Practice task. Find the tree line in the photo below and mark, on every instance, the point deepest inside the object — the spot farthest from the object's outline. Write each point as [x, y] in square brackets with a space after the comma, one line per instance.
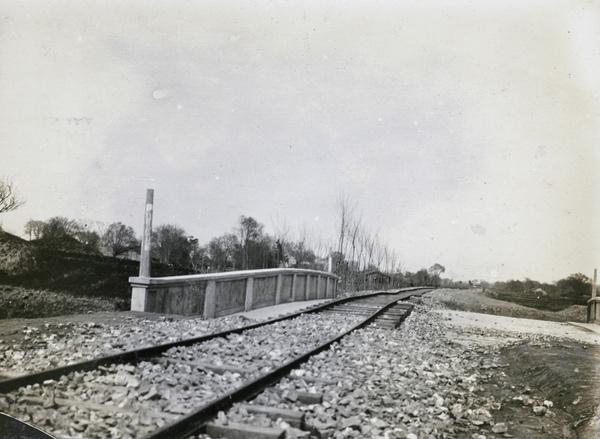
[248, 246]
[360, 259]
[363, 260]
[576, 287]
[356, 254]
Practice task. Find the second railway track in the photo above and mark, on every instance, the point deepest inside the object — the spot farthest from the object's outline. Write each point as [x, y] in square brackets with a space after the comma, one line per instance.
[175, 390]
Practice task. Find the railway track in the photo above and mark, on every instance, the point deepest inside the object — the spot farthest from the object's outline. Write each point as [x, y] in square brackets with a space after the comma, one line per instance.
[178, 389]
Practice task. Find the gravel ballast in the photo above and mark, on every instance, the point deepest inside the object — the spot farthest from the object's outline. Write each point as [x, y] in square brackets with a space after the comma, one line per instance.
[442, 374]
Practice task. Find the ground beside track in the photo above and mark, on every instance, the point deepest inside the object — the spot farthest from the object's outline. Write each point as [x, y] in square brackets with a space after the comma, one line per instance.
[522, 362]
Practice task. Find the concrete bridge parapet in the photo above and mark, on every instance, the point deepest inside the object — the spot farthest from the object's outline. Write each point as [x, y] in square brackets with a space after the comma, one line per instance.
[593, 311]
[219, 294]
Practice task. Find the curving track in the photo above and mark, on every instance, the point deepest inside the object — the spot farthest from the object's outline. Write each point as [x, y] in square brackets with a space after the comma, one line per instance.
[176, 389]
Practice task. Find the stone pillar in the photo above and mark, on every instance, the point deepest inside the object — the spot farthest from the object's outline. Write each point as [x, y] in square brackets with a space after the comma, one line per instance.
[249, 294]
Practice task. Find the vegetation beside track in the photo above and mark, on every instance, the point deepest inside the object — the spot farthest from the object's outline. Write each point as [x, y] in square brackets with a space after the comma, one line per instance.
[45, 278]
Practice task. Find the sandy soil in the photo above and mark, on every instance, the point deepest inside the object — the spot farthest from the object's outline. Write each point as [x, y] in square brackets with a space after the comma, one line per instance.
[541, 362]
[511, 327]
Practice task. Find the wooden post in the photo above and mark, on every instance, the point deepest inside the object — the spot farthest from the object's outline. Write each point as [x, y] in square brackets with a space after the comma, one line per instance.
[145, 257]
[594, 284]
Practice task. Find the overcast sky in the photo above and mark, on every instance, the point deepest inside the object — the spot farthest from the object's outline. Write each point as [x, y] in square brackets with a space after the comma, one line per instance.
[467, 131]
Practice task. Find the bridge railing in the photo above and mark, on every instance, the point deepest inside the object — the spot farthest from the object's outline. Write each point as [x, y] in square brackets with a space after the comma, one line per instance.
[220, 294]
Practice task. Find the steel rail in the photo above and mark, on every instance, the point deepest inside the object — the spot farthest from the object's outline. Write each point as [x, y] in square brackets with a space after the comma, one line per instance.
[192, 423]
[137, 355]
[13, 428]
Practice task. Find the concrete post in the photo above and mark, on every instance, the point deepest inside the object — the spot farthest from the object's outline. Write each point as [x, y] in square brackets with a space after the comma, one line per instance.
[593, 311]
[278, 289]
[319, 280]
[334, 288]
[139, 297]
[210, 300]
[249, 294]
[145, 258]
[294, 283]
[307, 287]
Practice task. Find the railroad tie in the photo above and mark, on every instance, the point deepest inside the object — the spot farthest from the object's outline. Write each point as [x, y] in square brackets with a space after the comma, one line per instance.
[234, 430]
[295, 418]
[392, 317]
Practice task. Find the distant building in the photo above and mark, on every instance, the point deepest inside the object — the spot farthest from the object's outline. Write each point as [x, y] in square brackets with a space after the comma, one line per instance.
[376, 279]
[132, 255]
[539, 292]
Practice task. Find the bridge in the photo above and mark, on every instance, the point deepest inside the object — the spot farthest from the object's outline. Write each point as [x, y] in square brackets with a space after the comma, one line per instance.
[220, 294]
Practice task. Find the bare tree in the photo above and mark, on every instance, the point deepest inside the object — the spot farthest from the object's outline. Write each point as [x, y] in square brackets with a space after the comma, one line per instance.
[434, 272]
[344, 218]
[345, 210]
[119, 239]
[8, 198]
[250, 235]
[282, 230]
[171, 245]
[34, 229]
[59, 227]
